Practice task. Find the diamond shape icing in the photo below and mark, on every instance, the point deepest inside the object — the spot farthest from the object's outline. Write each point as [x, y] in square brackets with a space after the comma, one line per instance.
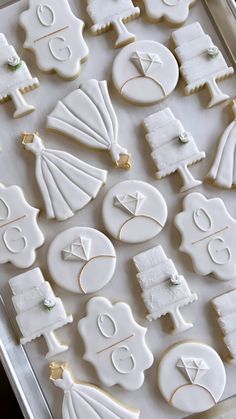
[144, 61]
[192, 368]
[130, 203]
[78, 249]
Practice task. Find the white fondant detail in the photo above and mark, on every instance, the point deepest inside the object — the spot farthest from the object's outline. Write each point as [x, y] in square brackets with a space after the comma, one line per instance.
[145, 72]
[119, 356]
[174, 12]
[163, 290]
[42, 11]
[222, 170]
[211, 250]
[200, 216]
[67, 184]
[81, 260]
[15, 82]
[54, 34]
[134, 211]
[33, 320]
[11, 240]
[19, 231]
[87, 115]
[83, 399]
[170, 155]
[104, 318]
[59, 50]
[122, 358]
[197, 376]
[225, 307]
[198, 68]
[106, 15]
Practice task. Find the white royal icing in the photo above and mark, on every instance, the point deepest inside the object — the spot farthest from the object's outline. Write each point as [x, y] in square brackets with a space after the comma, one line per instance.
[107, 14]
[66, 183]
[173, 149]
[20, 234]
[197, 376]
[54, 34]
[174, 12]
[202, 64]
[82, 260]
[163, 289]
[115, 343]
[86, 401]
[208, 236]
[225, 307]
[222, 170]
[39, 311]
[87, 115]
[145, 72]
[134, 211]
[15, 79]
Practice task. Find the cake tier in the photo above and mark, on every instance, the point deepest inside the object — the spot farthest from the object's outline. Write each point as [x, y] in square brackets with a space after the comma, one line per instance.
[33, 297]
[150, 258]
[174, 152]
[157, 274]
[40, 317]
[26, 281]
[106, 11]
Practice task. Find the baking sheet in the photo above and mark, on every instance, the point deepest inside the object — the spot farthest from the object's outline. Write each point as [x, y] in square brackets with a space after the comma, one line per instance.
[17, 167]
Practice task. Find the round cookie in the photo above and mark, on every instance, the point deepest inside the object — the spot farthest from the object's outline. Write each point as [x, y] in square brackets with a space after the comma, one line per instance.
[81, 260]
[134, 211]
[197, 377]
[145, 72]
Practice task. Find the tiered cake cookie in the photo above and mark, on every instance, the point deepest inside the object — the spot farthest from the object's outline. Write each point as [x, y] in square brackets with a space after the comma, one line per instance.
[39, 312]
[15, 79]
[173, 149]
[164, 290]
[202, 64]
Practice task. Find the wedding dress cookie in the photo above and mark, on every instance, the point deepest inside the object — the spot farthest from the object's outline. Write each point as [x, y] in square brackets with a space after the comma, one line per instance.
[202, 63]
[81, 260]
[222, 171]
[134, 211]
[174, 12]
[39, 311]
[173, 149]
[15, 79]
[197, 377]
[107, 14]
[208, 236]
[66, 183]
[54, 34]
[87, 115]
[163, 289]
[225, 307]
[145, 72]
[20, 234]
[115, 343]
[86, 401]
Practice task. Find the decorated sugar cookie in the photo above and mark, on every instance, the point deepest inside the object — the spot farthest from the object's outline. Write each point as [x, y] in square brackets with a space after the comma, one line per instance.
[87, 115]
[110, 14]
[222, 171]
[81, 260]
[145, 72]
[173, 148]
[86, 401]
[163, 289]
[134, 211]
[197, 377]
[20, 234]
[15, 79]
[54, 34]
[115, 343]
[39, 311]
[66, 183]
[202, 63]
[174, 12]
[208, 236]
[225, 307]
